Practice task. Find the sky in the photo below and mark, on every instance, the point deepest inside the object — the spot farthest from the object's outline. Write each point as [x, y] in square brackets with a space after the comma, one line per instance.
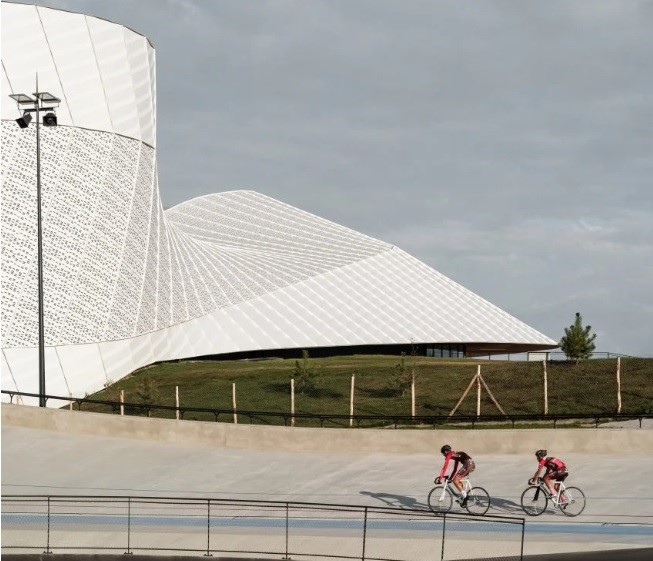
[508, 145]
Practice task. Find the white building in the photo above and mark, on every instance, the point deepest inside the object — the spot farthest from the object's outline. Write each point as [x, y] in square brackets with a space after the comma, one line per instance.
[127, 284]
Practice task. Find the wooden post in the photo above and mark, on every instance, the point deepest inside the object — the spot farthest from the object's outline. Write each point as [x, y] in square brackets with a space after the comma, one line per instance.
[412, 395]
[122, 402]
[618, 384]
[546, 389]
[474, 379]
[233, 401]
[478, 391]
[177, 402]
[292, 402]
[351, 401]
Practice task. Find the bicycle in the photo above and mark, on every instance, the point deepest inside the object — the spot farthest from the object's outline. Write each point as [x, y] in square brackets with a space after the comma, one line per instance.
[440, 499]
[569, 500]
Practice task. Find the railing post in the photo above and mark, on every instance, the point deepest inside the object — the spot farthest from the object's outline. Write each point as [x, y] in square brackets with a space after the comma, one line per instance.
[47, 545]
[129, 525]
[521, 550]
[444, 524]
[286, 556]
[364, 532]
[208, 529]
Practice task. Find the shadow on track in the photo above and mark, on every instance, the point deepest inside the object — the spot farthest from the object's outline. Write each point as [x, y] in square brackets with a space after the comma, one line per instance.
[396, 501]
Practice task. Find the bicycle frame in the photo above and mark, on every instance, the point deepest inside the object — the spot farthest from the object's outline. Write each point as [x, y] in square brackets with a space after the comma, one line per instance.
[448, 484]
[555, 499]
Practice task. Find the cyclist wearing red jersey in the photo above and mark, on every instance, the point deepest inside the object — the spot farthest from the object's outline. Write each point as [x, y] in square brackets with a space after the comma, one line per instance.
[456, 474]
[556, 471]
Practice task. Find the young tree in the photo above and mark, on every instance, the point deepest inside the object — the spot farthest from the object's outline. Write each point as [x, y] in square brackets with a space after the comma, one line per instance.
[578, 342]
[147, 392]
[401, 377]
[304, 374]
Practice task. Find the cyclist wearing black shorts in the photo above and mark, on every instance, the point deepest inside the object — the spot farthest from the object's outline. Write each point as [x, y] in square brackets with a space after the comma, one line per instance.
[457, 475]
[556, 471]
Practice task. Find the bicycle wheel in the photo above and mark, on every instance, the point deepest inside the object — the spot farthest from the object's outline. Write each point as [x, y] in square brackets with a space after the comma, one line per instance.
[440, 500]
[478, 501]
[533, 500]
[572, 501]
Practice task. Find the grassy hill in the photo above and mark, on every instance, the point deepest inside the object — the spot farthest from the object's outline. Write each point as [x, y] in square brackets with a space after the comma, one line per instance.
[264, 385]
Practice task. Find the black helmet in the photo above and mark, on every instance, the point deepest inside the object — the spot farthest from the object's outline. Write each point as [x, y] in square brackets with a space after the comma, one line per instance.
[540, 454]
[446, 448]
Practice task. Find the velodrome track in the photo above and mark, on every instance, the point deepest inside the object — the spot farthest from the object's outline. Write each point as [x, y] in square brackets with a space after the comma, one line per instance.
[88, 461]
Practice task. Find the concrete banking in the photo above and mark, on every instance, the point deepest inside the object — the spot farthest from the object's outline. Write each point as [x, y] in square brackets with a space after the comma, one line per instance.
[299, 439]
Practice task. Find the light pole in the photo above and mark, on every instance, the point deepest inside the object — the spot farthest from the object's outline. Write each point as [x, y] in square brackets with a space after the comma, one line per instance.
[29, 105]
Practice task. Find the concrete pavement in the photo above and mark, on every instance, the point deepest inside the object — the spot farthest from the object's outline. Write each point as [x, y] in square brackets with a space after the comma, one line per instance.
[619, 509]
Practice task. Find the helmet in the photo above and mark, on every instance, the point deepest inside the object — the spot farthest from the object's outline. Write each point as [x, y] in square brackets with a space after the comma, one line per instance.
[540, 454]
[446, 448]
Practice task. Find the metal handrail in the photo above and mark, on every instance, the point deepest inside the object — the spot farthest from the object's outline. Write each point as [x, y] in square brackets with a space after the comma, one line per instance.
[23, 506]
[395, 419]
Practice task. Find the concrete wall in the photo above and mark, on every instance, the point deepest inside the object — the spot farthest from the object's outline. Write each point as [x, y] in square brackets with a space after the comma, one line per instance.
[366, 441]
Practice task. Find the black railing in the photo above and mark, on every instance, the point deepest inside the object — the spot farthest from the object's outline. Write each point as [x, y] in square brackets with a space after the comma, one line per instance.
[128, 524]
[339, 420]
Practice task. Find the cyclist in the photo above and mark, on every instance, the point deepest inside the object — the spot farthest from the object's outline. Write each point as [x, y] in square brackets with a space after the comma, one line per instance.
[456, 474]
[556, 471]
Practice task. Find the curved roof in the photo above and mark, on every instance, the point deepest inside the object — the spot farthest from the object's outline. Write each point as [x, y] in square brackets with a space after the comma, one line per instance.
[127, 283]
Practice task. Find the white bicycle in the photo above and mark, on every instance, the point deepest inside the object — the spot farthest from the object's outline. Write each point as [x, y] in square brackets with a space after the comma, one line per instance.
[569, 500]
[441, 498]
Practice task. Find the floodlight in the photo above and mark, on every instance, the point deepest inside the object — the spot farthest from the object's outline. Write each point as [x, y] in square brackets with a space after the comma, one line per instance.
[49, 120]
[46, 97]
[24, 121]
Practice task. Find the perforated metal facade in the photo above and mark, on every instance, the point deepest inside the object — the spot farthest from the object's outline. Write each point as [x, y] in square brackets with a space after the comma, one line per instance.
[127, 283]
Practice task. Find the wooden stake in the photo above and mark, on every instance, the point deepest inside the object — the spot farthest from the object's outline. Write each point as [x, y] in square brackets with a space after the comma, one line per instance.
[292, 402]
[464, 395]
[122, 402]
[487, 389]
[478, 391]
[412, 396]
[233, 401]
[546, 389]
[177, 402]
[351, 401]
[618, 384]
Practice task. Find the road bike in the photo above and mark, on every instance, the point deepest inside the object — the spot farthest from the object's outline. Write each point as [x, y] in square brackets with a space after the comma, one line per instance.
[441, 498]
[569, 500]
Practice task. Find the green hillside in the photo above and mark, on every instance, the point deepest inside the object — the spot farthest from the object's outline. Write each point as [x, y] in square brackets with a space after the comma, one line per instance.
[264, 385]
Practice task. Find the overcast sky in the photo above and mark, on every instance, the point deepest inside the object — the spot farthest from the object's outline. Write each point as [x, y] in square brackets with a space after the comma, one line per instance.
[507, 144]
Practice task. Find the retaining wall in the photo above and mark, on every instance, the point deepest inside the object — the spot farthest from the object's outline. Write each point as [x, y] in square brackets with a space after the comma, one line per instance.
[299, 439]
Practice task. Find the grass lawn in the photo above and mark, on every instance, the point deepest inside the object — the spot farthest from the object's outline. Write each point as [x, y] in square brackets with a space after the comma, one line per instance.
[264, 385]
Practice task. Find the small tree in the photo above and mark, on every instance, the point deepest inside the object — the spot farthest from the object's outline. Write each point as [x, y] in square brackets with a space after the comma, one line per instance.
[304, 374]
[401, 378]
[578, 342]
[147, 392]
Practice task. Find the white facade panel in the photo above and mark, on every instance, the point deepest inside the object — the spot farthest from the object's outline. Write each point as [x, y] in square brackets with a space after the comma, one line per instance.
[127, 284]
[24, 37]
[111, 56]
[74, 57]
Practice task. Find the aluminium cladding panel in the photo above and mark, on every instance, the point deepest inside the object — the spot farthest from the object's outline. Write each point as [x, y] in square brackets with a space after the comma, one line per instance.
[20, 372]
[74, 57]
[103, 72]
[25, 51]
